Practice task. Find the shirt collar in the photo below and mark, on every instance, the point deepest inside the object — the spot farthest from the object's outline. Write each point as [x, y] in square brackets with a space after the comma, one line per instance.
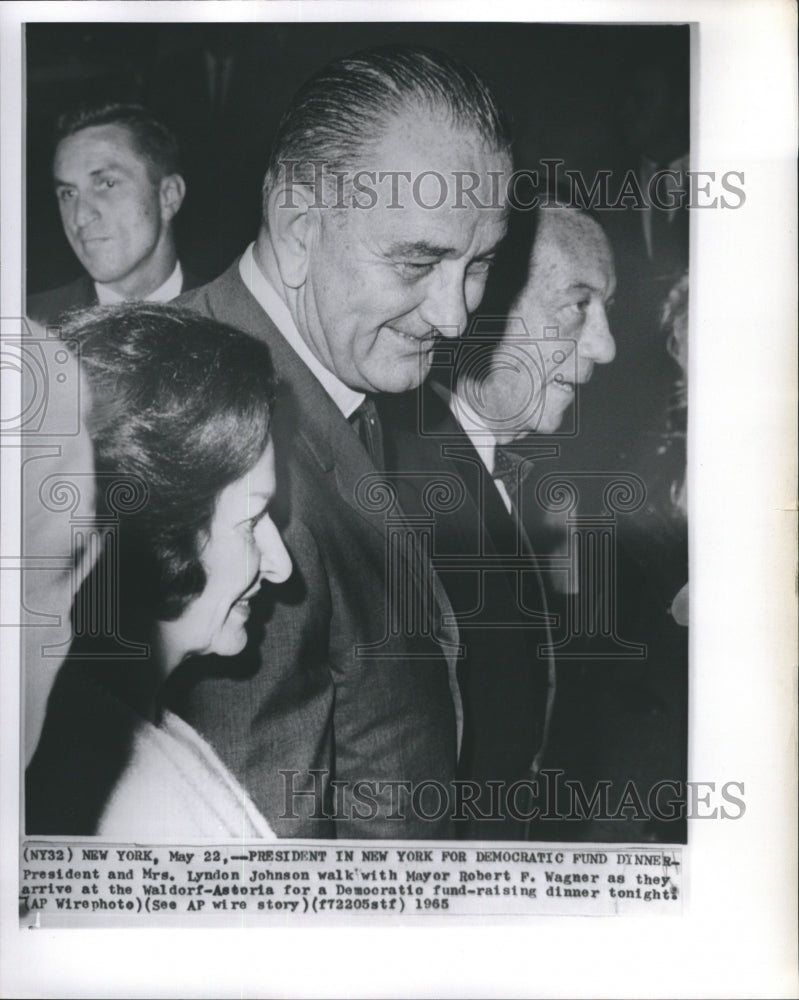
[170, 289]
[481, 436]
[346, 399]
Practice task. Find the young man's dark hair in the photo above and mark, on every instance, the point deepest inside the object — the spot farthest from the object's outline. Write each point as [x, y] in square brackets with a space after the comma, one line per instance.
[154, 140]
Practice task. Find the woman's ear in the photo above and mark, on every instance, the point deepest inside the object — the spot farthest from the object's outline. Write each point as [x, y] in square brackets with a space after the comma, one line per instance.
[292, 222]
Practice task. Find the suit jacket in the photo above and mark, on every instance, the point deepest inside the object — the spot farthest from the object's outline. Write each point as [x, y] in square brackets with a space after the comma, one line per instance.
[49, 307]
[308, 708]
[501, 611]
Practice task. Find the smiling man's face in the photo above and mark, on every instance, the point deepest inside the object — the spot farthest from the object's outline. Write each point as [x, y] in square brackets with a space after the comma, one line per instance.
[383, 283]
[557, 330]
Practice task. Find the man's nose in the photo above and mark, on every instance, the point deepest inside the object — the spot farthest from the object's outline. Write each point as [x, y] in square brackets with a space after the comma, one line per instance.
[444, 307]
[84, 211]
[596, 342]
[275, 560]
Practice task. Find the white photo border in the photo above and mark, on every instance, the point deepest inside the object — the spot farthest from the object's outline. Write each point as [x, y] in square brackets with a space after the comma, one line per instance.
[737, 935]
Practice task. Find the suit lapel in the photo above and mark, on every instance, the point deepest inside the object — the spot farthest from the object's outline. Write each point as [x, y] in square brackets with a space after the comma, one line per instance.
[503, 533]
[484, 501]
[305, 407]
[443, 449]
[307, 411]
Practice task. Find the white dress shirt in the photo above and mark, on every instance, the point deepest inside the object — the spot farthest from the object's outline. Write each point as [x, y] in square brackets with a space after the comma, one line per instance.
[346, 399]
[481, 436]
[170, 289]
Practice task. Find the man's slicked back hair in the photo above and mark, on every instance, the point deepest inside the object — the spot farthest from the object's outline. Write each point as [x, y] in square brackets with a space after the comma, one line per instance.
[343, 110]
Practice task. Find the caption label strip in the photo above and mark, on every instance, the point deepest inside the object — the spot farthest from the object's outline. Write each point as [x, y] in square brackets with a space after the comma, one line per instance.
[86, 884]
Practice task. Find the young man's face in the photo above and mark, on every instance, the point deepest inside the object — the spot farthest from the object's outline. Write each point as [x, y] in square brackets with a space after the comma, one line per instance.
[111, 208]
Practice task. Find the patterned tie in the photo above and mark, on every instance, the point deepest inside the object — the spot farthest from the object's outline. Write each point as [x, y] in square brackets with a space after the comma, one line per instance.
[366, 424]
[511, 469]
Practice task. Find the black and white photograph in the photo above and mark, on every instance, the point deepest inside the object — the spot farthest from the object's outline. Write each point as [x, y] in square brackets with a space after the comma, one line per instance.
[360, 452]
[412, 629]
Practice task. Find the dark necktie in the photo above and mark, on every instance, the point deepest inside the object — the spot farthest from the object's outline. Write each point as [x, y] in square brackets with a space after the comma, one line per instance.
[366, 424]
[511, 469]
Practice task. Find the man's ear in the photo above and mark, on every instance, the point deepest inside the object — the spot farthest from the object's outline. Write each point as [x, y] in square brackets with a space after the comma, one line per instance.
[291, 224]
[171, 193]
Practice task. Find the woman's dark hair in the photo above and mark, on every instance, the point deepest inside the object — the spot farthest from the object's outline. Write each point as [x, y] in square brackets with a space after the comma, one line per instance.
[181, 407]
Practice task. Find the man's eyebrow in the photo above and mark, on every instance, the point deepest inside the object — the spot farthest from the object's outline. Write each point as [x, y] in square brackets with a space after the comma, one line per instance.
[584, 286]
[581, 287]
[417, 248]
[112, 165]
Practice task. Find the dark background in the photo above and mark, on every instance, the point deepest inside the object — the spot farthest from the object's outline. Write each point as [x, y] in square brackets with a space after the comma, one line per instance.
[564, 87]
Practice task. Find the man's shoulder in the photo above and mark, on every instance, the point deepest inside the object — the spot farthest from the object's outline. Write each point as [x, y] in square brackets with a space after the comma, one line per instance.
[418, 419]
[211, 296]
[228, 300]
[51, 306]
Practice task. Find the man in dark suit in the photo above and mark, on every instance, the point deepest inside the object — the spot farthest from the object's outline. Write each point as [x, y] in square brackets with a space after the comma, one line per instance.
[345, 722]
[116, 179]
[510, 379]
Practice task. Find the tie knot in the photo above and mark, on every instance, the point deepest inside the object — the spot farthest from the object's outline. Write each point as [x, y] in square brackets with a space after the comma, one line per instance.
[364, 409]
[510, 467]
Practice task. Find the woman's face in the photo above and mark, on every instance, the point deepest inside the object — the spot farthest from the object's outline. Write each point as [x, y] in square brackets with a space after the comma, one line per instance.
[243, 548]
